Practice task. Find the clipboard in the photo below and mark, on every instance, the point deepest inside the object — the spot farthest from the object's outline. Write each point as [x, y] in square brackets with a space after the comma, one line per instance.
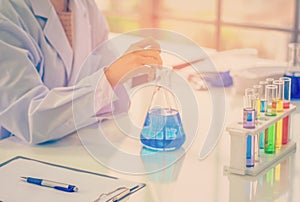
[92, 186]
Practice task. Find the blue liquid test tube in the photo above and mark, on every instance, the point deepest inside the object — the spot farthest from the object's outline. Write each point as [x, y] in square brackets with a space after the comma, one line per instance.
[248, 111]
[249, 122]
[250, 156]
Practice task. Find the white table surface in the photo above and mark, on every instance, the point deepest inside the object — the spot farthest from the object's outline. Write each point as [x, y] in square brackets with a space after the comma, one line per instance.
[189, 179]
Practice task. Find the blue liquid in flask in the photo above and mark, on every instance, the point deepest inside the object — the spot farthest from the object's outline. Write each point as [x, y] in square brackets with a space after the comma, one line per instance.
[162, 130]
[295, 84]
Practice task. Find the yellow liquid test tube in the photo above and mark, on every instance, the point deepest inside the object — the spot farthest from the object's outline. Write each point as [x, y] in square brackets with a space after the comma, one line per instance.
[279, 109]
[258, 94]
[279, 130]
[258, 107]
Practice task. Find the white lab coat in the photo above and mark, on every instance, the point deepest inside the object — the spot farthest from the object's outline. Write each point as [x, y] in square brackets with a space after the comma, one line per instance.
[38, 69]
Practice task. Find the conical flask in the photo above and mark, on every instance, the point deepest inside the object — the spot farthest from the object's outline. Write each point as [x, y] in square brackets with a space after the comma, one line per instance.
[162, 129]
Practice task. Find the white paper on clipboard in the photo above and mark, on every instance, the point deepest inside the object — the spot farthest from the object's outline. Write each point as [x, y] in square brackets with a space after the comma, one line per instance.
[90, 185]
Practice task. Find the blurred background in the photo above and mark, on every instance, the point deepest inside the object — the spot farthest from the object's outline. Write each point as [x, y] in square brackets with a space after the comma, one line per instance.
[265, 25]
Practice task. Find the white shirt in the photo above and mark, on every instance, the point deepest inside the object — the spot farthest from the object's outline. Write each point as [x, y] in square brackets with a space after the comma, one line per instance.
[39, 70]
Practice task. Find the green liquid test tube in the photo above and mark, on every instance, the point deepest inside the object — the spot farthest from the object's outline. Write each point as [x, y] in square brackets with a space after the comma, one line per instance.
[270, 139]
[270, 133]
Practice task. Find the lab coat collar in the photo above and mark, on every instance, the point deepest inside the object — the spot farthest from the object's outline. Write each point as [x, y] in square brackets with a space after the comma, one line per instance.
[54, 31]
[41, 8]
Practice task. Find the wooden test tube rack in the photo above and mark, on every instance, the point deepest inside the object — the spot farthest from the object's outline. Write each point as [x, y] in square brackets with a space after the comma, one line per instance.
[238, 136]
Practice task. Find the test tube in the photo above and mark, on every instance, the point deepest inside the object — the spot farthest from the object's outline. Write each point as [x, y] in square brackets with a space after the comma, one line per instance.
[254, 102]
[286, 105]
[248, 113]
[279, 108]
[250, 156]
[263, 96]
[269, 81]
[258, 95]
[270, 133]
[257, 103]
[250, 92]
[249, 122]
[280, 95]
[271, 95]
[286, 91]
[263, 109]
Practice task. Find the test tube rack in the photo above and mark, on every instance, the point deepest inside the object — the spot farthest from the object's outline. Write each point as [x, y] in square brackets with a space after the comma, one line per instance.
[238, 136]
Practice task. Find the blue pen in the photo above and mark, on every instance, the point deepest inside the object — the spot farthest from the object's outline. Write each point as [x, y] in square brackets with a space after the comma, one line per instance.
[51, 184]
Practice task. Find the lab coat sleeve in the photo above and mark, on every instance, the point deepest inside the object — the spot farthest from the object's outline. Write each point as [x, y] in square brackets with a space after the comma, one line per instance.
[31, 111]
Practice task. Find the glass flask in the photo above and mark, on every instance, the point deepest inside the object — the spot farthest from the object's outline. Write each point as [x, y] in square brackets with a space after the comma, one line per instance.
[293, 69]
[162, 129]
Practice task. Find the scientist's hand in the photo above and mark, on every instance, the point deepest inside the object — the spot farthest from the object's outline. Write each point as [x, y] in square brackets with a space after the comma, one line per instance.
[133, 62]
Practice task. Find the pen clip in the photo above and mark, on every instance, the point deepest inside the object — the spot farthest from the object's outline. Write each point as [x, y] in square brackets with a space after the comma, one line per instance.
[113, 195]
[70, 188]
